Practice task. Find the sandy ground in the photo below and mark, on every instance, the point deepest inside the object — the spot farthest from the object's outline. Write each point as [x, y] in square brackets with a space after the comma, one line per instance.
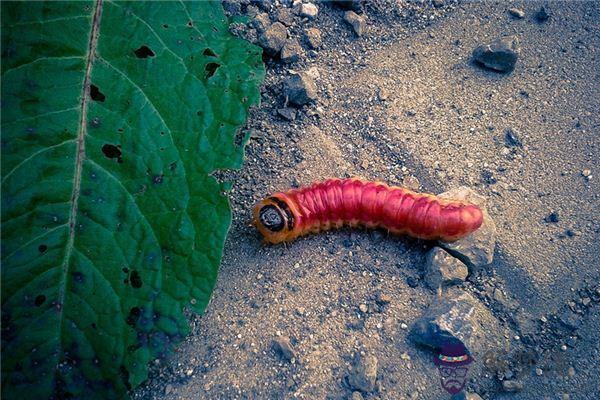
[443, 121]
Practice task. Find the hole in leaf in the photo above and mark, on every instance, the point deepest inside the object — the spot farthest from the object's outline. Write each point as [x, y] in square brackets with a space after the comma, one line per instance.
[144, 52]
[157, 180]
[165, 26]
[39, 300]
[125, 269]
[111, 151]
[209, 53]
[211, 68]
[134, 315]
[96, 94]
[190, 24]
[42, 248]
[136, 279]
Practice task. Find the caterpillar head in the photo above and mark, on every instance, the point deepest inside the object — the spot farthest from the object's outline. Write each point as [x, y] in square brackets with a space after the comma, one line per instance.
[274, 220]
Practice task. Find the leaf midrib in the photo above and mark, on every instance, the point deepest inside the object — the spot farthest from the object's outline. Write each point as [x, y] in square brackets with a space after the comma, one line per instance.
[79, 158]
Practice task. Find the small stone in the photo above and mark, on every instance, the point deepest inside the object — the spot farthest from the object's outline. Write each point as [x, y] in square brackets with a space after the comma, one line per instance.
[411, 182]
[308, 10]
[291, 51]
[261, 22]
[586, 173]
[283, 346]
[501, 55]
[512, 385]
[552, 218]
[542, 15]
[543, 319]
[405, 356]
[383, 94]
[285, 16]
[512, 139]
[383, 299]
[571, 372]
[539, 372]
[438, 3]
[273, 39]
[357, 22]
[357, 396]
[566, 396]
[287, 113]
[516, 12]
[363, 308]
[403, 326]
[313, 37]
[477, 249]
[364, 373]
[300, 89]
[442, 269]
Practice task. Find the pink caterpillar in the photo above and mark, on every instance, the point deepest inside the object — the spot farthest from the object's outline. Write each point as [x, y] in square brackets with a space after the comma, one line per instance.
[336, 202]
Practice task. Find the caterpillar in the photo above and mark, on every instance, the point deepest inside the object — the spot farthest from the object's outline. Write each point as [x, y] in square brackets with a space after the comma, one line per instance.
[333, 203]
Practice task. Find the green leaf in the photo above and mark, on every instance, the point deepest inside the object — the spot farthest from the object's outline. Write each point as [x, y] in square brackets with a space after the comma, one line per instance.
[114, 115]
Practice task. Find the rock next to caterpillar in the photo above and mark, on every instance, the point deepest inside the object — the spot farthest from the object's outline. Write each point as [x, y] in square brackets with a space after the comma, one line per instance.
[337, 202]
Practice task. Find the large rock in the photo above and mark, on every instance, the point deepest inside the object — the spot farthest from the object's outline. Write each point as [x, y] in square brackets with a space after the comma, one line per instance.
[477, 249]
[364, 373]
[449, 320]
[273, 39]
[300, 89]
[501, 55]
[442, 269]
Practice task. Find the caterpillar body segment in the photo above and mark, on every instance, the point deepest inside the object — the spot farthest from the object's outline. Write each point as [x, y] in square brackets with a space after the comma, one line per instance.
[333, 203]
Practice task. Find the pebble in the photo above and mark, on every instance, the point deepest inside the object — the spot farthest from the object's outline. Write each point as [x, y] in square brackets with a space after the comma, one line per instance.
[516, 12]
[383, 298]
[357, 22]
[357, 396]
[291, 51]
[571, 372]
[512, 385]
[383, 94]
[442, 269]
[364, 373]
[501, 55]
[285, 16]
[308, 10]
[411, 182]
[287, 113]
[300, 89]
[283, 346]
[273, 39]
[261, 22]
[539, 372]
[363, 308]
[403, 326]
[313, 37]
[587, 173]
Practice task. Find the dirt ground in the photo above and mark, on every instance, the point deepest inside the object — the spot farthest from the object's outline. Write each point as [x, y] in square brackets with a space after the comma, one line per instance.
[405, 100]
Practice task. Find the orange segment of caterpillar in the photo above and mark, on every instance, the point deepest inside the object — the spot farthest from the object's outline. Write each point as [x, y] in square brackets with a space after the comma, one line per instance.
[333, 203]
